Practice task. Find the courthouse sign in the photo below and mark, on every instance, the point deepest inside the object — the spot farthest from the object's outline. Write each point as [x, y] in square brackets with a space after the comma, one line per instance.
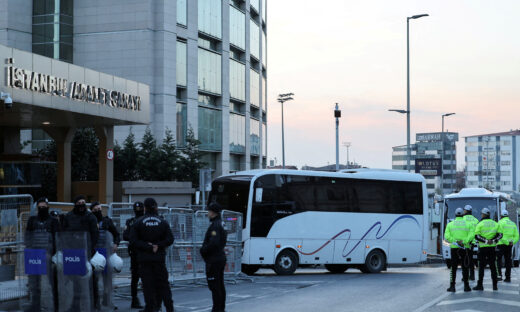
[37, 82]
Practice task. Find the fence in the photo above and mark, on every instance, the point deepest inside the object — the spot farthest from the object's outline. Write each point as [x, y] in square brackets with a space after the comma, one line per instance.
[183, 260]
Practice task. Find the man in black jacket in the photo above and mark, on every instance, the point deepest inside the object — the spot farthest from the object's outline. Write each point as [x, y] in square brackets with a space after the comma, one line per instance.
[134, 264]
[213, 253]
[151, 235]
[39, 234]
[82, 220]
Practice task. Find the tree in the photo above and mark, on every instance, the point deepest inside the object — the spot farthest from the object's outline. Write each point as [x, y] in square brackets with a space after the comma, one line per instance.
[84, 155]
[191, 163]
[169, 159]
[149, 158]
[126, 160]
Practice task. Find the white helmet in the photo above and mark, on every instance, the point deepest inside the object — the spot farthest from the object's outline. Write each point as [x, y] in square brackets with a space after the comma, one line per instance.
[57, 259]
[504, 213]
[116, 262]
[486, 211]
[468, 208]
[98, 261]
[459, 212]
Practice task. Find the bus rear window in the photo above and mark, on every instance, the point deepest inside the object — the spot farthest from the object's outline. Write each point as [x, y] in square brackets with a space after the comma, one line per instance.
[232, 193]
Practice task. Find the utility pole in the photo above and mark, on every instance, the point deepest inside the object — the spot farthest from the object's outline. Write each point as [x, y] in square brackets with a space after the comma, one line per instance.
[337, 115]
[347, 145]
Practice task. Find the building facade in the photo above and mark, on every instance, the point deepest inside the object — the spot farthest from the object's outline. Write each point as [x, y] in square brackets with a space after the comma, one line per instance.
[204, 60]
[493, 161]
[437, 163]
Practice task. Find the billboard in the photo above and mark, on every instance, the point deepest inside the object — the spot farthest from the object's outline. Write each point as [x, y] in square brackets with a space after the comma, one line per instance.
[428, 167]
[437, 137]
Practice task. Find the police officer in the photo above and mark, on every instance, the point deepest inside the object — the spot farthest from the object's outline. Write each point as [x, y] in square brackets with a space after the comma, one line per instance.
[459, 233]
[43, 223]
[505, 245]
[105, 224]
[212, 252]
[487, 234]
[132, 251]
[151, 235]
[469, 218]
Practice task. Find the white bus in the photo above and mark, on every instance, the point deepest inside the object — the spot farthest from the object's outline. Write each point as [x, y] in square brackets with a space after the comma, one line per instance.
[478, 198]
[364, 219]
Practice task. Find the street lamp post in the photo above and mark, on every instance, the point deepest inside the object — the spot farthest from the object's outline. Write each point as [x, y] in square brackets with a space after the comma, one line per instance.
[347, 145]
[282, 98]
[337, 115]
[442, 154]
[408, 151]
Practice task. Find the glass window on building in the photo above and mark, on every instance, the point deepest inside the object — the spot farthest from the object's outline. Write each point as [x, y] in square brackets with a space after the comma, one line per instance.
[264, 9]
[264, 49]
[182, 64]
[235, 163]
[264, 139]
[264, 94]
[254, 88]
[52, 29]
[255, 4]
[182, 124]
[237, 80]
[210, 17]
[210, 129]
[182, 12]
[255, 136]
[210, 160]
[40, 139]
[237, 28]
[209, 71]
[237, 133]
[254, 39]
[255, 162]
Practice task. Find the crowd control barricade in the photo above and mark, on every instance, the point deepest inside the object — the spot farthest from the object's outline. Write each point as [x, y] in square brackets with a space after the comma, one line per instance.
[103, 295]
[180, 255]
[232, 222]
[201, 224]
[13, 209]
[39, 273]
[74, 272]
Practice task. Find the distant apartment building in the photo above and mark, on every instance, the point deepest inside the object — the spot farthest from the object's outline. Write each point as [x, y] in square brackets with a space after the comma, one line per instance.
[493, 161]
[427, 157]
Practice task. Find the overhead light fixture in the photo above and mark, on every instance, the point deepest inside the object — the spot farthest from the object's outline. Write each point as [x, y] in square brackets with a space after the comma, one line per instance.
[46, 123]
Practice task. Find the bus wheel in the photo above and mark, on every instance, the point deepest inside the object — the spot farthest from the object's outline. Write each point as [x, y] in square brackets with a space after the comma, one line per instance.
[250, 269]
[286, 262]
[375, 261]
[336, 268]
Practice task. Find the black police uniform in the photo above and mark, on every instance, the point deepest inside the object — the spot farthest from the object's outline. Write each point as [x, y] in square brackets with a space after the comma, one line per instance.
[150, 230]
[213, 253]
[77, 221]
[134, 263]
[45, 224]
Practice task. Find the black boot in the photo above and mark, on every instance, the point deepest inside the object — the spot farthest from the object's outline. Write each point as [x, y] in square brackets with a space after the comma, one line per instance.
[471, 275]
[507, 280]
[495, 285]
[466, 286]
[499, 278]
[136, 304]
[452, 288]
[479, 286]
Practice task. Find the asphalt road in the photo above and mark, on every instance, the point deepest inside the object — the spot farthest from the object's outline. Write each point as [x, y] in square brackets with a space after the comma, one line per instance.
[399, 289]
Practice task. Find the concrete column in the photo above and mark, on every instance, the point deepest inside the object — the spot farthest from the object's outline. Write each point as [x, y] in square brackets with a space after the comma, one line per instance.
[63, 138]
[105, 135]
[223, 157]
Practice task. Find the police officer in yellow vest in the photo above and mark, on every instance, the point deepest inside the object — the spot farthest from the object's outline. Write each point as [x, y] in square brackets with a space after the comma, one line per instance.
[459, 233]
[505, 245]
[469, 218]
[487, 234]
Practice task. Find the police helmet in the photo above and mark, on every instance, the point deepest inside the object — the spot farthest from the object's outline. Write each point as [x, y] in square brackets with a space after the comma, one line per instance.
[504, 213]
[98, 261]
[459, 212]
[116, 262]
[57, 259]
[486, 211]
[468, 208]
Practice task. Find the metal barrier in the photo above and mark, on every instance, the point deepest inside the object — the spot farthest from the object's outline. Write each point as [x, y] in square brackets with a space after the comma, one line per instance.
[233, 226]
[13, 209]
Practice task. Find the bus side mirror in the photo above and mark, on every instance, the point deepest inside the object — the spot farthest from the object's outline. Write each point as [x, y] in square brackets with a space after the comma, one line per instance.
[437, 209]
[258, 194]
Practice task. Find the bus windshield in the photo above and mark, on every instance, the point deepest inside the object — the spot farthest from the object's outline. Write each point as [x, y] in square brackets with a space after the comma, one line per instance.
[232, 193]
[476, 203]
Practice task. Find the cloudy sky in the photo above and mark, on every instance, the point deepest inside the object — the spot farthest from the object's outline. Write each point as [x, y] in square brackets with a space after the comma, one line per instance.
[465, 58]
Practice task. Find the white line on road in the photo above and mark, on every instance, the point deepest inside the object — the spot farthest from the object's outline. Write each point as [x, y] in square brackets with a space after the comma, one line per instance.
[501, 291]
[468, 310]
[432, 303]
[490, 300]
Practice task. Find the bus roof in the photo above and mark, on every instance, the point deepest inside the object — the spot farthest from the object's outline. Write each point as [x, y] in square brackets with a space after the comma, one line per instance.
[477, 192]
[369, 174]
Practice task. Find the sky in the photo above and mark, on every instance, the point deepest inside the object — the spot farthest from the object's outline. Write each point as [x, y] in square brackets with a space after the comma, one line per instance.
[464, 58]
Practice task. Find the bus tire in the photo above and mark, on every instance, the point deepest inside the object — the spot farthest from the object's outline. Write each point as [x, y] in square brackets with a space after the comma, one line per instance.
[374, 262]
[286, 262]
[336, 268]
[250, 269]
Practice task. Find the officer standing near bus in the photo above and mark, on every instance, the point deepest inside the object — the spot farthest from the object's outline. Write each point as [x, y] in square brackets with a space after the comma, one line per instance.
[469, 218]
[151, 235]
[487, 234]
[212, 252]
[505, 245]
[459, 234]
[132, 251]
